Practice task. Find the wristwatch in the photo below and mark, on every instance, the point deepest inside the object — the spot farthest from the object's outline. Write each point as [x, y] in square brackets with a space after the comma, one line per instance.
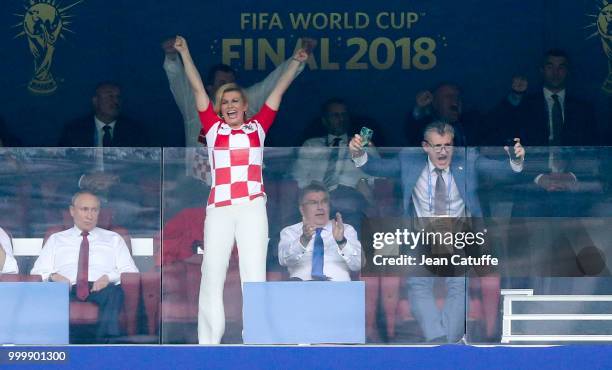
[341, 242]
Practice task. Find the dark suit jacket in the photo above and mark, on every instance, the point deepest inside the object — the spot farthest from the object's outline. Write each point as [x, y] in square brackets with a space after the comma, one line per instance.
[529, 121]
[7, 138]
[127, 133]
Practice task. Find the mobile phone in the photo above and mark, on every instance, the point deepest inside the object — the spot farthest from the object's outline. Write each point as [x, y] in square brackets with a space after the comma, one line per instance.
[366, 136]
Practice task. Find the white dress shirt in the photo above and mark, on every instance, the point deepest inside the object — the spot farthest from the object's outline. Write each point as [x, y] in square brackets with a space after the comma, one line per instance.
[108, 255]
[10, 264]
[313, 160]
[337, 262]
[100, 130]
[423, 195]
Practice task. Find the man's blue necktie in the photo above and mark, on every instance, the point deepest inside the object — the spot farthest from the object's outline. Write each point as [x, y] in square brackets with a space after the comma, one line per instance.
[317, 257]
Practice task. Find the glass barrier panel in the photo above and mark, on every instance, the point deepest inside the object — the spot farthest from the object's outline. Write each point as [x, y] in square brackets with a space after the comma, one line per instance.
[50, 197]
[549, 229]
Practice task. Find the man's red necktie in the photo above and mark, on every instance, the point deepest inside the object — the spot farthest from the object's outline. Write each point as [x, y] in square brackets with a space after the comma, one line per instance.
[82, 285]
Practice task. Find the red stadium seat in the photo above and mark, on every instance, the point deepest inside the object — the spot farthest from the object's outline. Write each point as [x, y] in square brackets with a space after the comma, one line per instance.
[10, 278]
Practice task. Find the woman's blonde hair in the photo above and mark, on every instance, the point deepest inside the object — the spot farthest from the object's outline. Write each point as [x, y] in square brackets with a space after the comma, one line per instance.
[227, 88]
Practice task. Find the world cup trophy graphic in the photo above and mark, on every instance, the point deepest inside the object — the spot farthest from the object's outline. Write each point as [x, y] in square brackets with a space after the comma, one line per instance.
[604, 27]
[43, 24]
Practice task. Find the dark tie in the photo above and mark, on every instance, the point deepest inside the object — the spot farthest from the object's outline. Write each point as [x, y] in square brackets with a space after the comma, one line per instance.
[107, 139]
[557, 121]
[317, 257]
[330, 179]
[82, 285]
[440, 194]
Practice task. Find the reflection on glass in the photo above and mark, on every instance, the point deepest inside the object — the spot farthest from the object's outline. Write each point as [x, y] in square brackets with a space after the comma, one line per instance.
[548, 228]
[83, 221]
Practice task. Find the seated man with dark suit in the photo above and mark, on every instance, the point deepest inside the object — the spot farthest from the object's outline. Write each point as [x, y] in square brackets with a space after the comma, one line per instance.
[559, 182]
[437, 186]
[91, 260]
[111, 174]
[319, 248]
[107, 128]
[553, 115]
[8, 264]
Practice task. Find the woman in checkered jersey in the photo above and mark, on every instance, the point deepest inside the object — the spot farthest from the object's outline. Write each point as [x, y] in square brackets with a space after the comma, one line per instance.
[236, 204]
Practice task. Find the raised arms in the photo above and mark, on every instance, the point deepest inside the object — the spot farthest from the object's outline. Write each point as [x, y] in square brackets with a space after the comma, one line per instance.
[193, 76]
[275, 97]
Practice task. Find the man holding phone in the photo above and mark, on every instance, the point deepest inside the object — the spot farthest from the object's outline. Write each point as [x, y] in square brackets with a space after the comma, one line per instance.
[437, 186]
[326, 159]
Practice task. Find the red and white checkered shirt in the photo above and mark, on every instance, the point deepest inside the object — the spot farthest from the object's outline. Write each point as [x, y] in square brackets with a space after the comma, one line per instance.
[236, 157]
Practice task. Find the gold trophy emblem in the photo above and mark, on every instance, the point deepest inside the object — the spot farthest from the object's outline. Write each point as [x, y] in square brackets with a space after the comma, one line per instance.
[43, 23]
[604, 27]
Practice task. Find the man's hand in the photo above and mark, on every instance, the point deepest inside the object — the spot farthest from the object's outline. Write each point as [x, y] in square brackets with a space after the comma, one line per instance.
[308, 231]
[338, 229]
[58, 278]
[300, 55]
[562, 181]
[180, 45]
[519, 151]
[519, 85]
[308, 44]
[100, 284]
[355, 146]
[424, 99]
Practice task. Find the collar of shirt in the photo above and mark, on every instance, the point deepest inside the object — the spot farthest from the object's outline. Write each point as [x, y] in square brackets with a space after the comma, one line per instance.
[92, 233]
[549, 99]
[328, 228]
[246, 125]
[432, 168]
[100, 125]
[343, 139]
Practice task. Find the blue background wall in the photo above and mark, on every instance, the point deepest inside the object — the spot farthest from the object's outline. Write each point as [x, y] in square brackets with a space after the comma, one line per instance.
[479, 44]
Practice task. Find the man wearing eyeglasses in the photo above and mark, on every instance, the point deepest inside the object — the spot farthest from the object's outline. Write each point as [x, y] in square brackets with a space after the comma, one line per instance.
[89, 259]
[319, 248]
[435, 185]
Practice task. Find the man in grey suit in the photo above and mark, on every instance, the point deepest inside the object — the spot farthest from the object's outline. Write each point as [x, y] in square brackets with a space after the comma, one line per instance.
[438, 184]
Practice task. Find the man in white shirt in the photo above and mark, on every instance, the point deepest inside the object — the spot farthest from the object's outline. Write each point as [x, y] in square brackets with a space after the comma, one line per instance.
[91, 260]
[327, 160]
[8, 264]
[319, 248]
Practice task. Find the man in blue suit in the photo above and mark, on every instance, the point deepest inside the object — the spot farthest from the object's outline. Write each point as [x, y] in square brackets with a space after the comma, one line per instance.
[442, 182]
